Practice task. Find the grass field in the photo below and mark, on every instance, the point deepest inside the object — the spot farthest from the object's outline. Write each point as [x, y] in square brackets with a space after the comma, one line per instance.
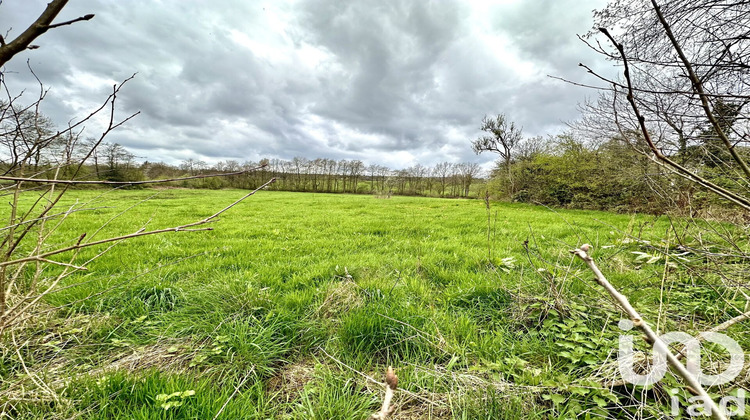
[285, 308]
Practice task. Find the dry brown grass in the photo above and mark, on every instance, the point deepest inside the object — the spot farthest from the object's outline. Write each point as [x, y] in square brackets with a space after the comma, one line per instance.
[340, 298]
[290, 380]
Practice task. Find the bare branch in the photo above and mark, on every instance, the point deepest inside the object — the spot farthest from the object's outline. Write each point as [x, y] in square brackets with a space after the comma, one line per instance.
[70, 22]
[182, 228]
[77, 267]
[41, 25]
[651, 337]
[721, 327]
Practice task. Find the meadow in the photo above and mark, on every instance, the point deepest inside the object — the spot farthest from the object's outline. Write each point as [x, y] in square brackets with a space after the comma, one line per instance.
[293, 301]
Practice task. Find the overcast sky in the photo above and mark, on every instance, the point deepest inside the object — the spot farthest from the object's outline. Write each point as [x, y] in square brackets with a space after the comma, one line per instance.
[388, 82]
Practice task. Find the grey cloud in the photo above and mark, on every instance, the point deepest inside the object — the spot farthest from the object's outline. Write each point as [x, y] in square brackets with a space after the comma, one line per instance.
[391, 76]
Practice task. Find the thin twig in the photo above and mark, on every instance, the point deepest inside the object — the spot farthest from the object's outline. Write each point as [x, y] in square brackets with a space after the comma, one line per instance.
[236, 390]
[373, 380]
[182, 228]
[650, 336]
[77, 267]
[72, 21]
[719, 328]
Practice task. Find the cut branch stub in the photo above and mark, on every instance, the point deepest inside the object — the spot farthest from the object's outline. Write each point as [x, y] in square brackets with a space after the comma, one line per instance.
[391, 379]
[391, 383]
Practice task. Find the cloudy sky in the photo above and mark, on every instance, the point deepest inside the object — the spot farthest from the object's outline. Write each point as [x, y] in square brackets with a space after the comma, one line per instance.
[389, 82]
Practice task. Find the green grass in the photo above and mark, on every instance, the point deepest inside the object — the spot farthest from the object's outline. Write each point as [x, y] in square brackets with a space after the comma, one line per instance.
[292, 294]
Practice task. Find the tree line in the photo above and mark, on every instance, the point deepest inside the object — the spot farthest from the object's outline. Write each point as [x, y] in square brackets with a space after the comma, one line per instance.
[32, 147]
[592, 166]
[322, 175]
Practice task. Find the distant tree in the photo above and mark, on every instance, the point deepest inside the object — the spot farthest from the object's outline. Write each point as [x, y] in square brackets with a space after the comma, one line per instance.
[532, 147]
[503, 138]
[357, 168]
[383, 173]
[441, 172]
[233, 166]
[726, 114]
[189, 166]
[416, 175]
[468, 173]
[119, 162]
[26, 136]
[401, 179]
[299, 166]
[330, 171]
[159, 170]
[91, 146]
[372, 170]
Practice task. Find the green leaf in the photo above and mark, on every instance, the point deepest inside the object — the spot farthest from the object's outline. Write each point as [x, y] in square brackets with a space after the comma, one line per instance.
[567, 344]
[590, 360]
[557, 398]
[579, 391]
[452, 362]
[612, 396]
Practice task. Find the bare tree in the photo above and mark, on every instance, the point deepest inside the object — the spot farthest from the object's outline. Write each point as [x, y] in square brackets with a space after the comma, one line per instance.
[25, 135]
[442, 171]
[118, 160]
[383, 174]
[503, 138]
[356, 168]
[468, 172]
[685, 83]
